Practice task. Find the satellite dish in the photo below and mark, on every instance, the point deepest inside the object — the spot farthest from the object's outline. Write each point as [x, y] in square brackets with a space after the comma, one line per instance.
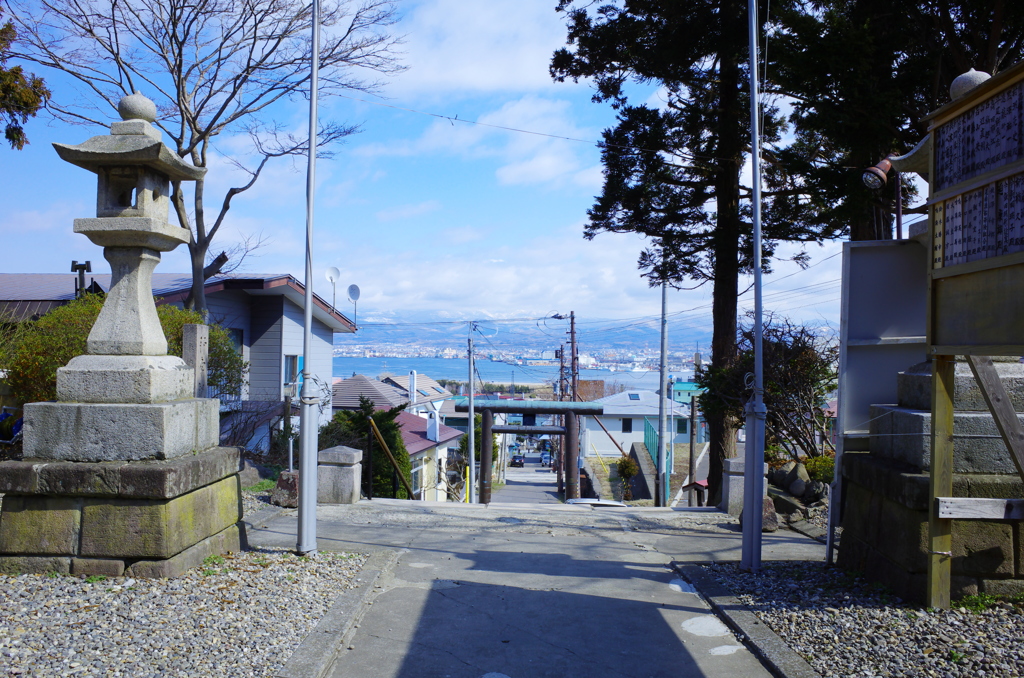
[353, 292]
[333, 274]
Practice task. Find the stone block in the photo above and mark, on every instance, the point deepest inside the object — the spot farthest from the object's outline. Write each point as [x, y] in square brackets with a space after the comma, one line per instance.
[103, 566]
[339, 475]
[124, 379]
[120, 432]
[40, 525]
[902, 534]
[175, 477]
[910, 442]
[914, 386]
[785, 503]
[141, 528]
[34, 565]
[732, 485]
[286, 493]
[982, 548]
[163, 479]
[1008, 588]
[229, 540]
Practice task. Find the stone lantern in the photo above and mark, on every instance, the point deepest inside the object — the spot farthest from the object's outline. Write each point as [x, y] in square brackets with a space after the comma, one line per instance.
[123, 471]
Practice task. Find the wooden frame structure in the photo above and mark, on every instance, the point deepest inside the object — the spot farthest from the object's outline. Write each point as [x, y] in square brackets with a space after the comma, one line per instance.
[976, 274]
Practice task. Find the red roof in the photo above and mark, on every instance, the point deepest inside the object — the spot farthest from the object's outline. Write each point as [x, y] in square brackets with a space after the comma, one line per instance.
[414, 433]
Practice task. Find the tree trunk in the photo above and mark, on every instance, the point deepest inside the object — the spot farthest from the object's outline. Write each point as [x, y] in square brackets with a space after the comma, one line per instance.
[727, 236]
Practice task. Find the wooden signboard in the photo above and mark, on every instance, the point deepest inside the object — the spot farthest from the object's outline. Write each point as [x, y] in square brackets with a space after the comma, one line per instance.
[977, 221]
[975, 288]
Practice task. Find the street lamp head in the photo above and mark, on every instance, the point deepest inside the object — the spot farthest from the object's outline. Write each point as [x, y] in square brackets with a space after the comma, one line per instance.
[875, 177]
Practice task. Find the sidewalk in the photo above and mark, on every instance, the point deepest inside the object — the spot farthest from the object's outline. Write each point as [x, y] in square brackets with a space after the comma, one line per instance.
[523, 592]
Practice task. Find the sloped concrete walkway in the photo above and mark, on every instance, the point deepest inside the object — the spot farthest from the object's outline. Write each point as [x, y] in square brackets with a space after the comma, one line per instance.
[528, 591]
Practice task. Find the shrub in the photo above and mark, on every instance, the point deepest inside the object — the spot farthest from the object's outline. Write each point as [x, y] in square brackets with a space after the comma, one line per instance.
[820, 468]
[37, 349]
[627, 468]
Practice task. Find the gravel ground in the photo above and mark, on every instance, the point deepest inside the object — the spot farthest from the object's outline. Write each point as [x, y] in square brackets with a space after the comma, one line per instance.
[255, 501]
[239, 615]
[242, 614]
[846, 626]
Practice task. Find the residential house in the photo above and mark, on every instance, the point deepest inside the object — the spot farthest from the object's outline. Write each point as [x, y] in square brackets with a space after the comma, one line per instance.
[423, 393]
[263, 313]
[429, 443]
[347, 393]
[626, 418]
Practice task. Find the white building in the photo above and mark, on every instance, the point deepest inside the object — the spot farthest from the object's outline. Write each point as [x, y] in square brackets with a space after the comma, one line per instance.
[624, 418]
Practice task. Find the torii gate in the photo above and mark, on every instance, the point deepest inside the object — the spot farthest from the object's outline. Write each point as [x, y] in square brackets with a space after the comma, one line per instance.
[489, 406]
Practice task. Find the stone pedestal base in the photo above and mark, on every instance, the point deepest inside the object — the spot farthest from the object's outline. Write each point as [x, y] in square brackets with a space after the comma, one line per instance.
[885, 531]
[339, 474]
[732, 485]
[95, 432]
[142, 518]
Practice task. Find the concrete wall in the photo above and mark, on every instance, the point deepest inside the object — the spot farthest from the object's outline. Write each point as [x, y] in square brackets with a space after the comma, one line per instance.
[885, 531]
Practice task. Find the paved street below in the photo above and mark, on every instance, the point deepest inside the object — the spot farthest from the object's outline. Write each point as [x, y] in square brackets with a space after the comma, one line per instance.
[509, 590]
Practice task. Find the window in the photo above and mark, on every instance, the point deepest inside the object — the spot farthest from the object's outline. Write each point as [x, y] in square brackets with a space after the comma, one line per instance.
[438, 389]
[291, 369]
[682, 425]
[634, 396]
[237, 336]
[423, 393]
[627, 425]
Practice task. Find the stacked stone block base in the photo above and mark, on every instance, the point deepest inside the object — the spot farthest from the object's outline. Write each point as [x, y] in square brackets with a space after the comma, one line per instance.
[143, 518]
[885, 531]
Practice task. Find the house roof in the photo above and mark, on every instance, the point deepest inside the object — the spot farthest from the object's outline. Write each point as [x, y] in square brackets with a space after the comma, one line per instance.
[346, 393]
[640, 404]
[31, 294]
[414, 433]
[427, 390]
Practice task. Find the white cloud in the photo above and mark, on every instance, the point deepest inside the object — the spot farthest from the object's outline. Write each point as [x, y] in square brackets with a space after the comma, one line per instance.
[458, 47]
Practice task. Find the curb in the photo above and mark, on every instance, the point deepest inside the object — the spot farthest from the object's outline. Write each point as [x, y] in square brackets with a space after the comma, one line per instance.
[773, 652]
[317, 651]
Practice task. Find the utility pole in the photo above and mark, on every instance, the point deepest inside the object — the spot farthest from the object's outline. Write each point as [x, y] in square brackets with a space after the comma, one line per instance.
[693, 443]
[560, 453]
[571, 455]
[575, 358]
[472, 424]
[661, 486]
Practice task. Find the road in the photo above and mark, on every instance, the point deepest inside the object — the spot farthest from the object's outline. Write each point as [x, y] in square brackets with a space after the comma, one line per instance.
[531, 484]
[536, 592]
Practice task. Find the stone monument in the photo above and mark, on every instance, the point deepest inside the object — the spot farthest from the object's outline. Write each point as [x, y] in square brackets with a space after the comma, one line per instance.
[123, 474]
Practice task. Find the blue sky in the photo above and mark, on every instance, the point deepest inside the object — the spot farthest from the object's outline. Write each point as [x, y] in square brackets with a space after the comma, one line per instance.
[424, 214]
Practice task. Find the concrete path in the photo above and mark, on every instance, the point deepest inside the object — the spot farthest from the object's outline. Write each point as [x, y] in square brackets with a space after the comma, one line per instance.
[524, 592]
[531, 484]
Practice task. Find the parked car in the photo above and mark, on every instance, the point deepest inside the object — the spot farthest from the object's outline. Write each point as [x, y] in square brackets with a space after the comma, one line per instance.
[545, 459]
[517, 460]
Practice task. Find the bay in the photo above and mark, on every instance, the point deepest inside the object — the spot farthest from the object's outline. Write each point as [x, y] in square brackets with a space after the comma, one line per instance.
[487, 370]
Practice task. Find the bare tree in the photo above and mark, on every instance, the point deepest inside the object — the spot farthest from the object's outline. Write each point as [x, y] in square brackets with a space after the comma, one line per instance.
[213, 67]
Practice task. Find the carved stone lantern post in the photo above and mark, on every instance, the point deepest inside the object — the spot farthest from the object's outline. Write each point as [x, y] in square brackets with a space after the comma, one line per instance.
[123, 473]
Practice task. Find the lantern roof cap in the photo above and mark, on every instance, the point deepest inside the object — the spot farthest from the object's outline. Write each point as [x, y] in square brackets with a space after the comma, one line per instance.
[134, 141]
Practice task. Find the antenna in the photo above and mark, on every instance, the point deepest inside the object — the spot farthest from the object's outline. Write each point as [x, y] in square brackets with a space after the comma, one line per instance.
[332, 277]
[353, 296]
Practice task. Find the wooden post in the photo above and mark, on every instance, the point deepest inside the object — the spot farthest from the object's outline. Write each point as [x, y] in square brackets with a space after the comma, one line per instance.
[486, 455]
[195, 344]
[572, 449]
[940, 530]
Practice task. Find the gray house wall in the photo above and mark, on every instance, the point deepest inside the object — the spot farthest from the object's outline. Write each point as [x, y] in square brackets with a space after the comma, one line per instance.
[322, 349]
[265, 362]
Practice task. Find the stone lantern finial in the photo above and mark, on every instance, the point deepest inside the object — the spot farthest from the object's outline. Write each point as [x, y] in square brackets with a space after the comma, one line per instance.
[137, 107]
[965, 82]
